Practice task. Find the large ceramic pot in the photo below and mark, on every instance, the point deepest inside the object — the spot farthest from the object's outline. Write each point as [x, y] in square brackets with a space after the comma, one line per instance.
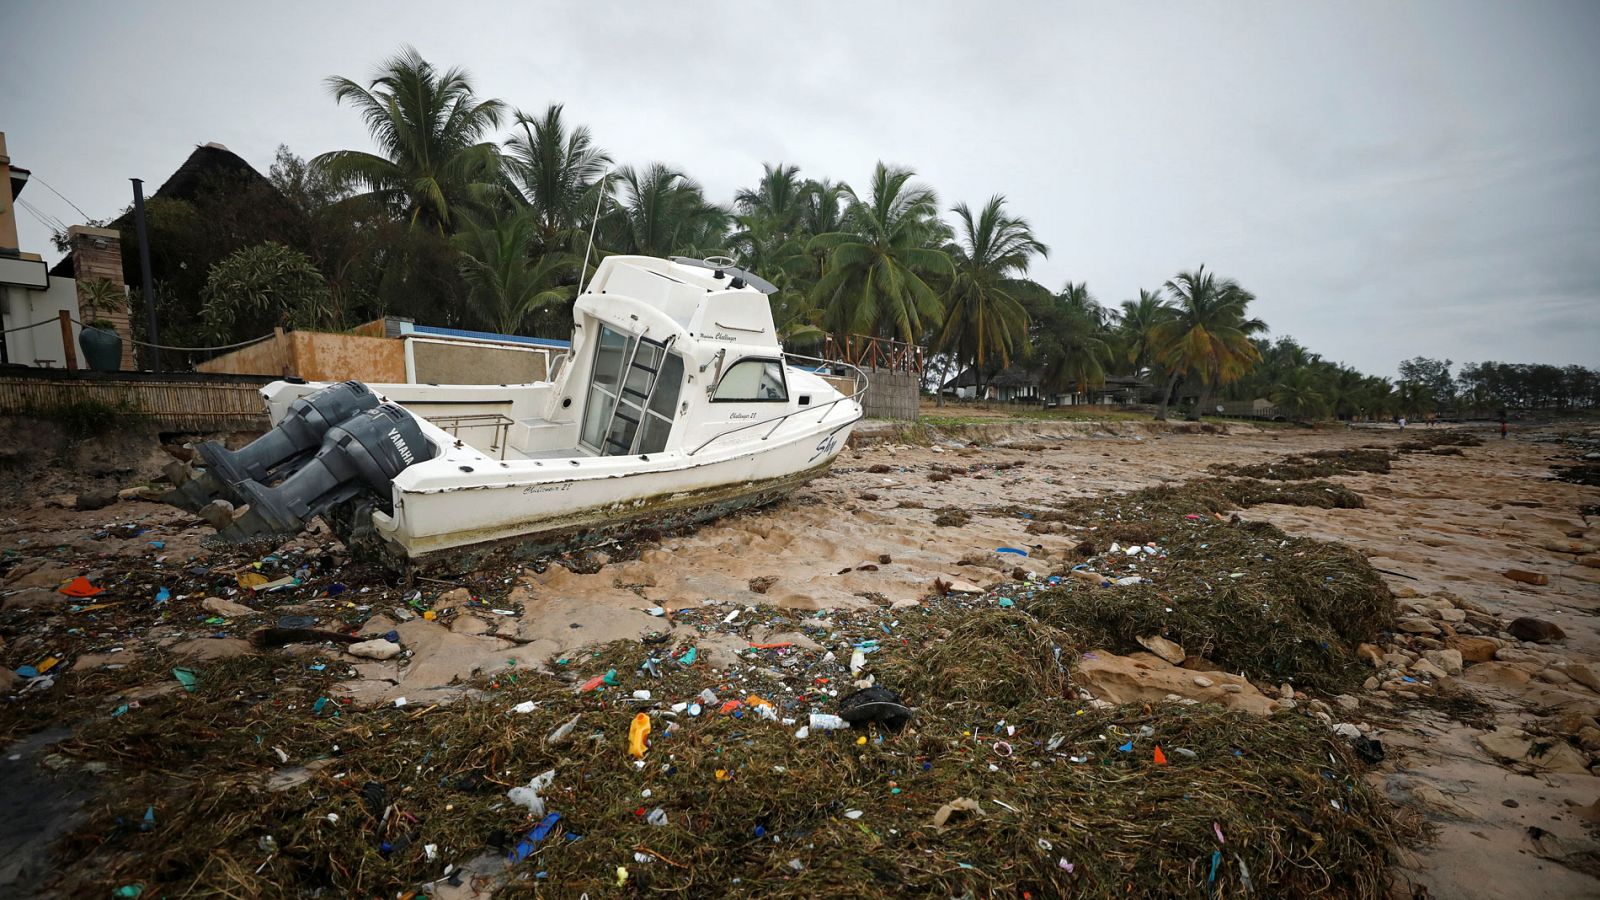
[102, 348]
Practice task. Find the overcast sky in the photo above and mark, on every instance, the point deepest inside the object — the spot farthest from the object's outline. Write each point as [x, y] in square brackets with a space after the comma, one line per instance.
[1389, 178]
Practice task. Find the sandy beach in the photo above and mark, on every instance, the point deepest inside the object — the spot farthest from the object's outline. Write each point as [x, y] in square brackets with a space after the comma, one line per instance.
[1505, 790]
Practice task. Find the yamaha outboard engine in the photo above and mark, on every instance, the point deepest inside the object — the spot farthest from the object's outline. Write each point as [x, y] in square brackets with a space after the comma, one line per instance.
[275, 453]
[360, 455]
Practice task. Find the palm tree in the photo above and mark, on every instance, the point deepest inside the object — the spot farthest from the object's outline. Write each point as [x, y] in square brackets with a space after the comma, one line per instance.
[1207, 335]
[504, 284]
[1136, 328]
[557, 170]
[875, 270]
[1069, 339]
[779, 200]
[427, 125]
[1299, 396]
[663, 212]
[984, 317]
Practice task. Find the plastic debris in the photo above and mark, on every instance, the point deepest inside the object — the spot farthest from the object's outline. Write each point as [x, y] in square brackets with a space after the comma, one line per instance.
[529, 796]
[128, 890]
[638, 733]
[657, 817]
[1160, 758]
[828, 722]
[162, 596]
[562, 731]
[1012, 550]
[186, 677]
[83, 587]
[960, 804]
[875, 704]
[527, 845]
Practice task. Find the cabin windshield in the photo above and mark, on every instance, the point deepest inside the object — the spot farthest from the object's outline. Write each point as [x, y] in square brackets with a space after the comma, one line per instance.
[632, 395]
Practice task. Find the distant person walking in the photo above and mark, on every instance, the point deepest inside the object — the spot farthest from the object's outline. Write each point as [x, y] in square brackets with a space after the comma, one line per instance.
[1402, 423]
[1503, 428]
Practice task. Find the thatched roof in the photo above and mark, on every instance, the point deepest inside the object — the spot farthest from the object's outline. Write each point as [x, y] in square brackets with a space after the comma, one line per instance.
[209, 165]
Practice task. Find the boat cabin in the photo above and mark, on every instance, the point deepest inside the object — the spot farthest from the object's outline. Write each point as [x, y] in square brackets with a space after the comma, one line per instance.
[667, 355]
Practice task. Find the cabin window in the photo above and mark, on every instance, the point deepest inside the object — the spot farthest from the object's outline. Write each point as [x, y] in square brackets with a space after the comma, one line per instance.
[759, 380]
[634, 388]
[658, 416]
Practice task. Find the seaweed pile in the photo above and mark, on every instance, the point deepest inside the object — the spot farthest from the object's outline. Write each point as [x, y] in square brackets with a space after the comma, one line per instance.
[1243, 596]
[1318, 464]
[247, 786]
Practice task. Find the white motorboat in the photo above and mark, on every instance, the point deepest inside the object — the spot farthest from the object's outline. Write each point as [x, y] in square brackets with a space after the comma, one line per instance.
[676, 403]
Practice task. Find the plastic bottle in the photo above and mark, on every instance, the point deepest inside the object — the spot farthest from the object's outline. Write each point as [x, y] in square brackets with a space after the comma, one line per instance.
[827, 722]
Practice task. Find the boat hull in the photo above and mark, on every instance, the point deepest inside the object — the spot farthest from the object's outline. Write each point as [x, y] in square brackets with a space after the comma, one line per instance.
[452, 529]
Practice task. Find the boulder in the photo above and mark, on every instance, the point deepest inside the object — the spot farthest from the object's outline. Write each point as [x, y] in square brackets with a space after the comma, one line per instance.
[95, 499]
[213, 648]
[374, 649]
[1145, 677]
[226, 608]
[1473, 649]
[1448, 660]
[1505, 743]
[469, 624]
[452, 599]
[1426, 668]
[1589, 738]
[1451, 615]
[1559, 757]
[1160, 646]
[1538, 631]
[1585, 674]
[1418, 626]
[1538, 579]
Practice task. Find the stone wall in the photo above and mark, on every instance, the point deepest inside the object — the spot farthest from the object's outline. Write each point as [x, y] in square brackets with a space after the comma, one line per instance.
[892, 394]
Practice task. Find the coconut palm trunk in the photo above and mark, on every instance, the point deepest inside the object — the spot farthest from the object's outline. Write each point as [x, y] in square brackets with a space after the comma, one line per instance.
[1203, 402]
[1166, 397]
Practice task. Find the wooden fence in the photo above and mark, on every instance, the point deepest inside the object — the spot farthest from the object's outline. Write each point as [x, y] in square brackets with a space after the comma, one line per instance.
[174, 402]
[874, 353]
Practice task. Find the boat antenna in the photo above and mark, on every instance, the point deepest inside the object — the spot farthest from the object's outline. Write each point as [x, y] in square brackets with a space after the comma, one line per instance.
[599, 196]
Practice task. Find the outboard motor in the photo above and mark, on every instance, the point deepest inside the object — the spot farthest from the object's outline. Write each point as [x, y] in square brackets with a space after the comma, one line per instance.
[275, 453]
[360, 455]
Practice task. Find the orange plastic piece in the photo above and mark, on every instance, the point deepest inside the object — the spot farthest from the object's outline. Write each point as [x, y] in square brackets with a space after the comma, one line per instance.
[777, 646]
[80, 587]
[1161, 758]
[730, 706]
[637, 734]
[753, 700]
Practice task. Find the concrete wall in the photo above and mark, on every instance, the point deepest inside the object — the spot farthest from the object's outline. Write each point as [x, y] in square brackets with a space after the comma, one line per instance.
[41, 346]
[316, 356]
[320, 356]
[461, 362]
[892, 394]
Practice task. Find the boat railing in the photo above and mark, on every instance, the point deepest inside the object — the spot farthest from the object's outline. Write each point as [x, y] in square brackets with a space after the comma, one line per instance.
[861, 382]
[500, 424]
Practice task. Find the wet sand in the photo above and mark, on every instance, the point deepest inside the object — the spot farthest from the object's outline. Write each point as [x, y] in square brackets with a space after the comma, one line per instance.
[865, 534]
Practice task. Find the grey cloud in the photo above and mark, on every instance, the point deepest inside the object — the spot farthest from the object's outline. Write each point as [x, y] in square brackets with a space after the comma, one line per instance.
[1389, 179]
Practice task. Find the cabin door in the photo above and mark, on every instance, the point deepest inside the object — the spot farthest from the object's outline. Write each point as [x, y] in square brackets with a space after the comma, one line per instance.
[623, 393]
